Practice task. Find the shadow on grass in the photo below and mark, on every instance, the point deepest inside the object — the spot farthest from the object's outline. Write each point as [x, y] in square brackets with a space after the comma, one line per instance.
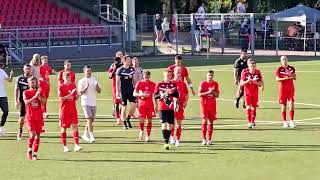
[172, 151]
[114, 160]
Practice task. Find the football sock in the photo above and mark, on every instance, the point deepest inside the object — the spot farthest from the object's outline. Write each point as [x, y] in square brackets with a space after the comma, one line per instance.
[164, 134]
[64, 138]
[178, 133]
[284, 115]
[20, 130]
[249, 115]
[30, 143]
[204, 131]
[76, 137]
[291, 115]
[210, 131]
[149, 127]
[253, 115]
[128, 121]
[172, 132]
[117, 110]
[141, 126]
[36, 145]
[168, 133]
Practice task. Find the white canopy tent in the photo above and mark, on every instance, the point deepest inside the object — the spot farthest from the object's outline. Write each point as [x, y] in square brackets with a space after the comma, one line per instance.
[300, 13]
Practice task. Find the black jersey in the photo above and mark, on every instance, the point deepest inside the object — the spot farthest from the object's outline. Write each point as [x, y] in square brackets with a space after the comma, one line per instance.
[22, 84]
[240, 65]
[126, 78]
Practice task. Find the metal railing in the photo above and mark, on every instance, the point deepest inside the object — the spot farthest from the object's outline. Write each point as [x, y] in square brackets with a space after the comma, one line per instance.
[14, 44]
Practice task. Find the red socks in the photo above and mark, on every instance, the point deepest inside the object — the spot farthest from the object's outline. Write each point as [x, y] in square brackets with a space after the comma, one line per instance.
[141, 126]
[291, 115]
[149, 127]
[64, 138]
[210, 131]
[36, 145]
[284, 116]
[178, 133]
[44, 107]
[253, 115]
[172, 132]
[76, 137]
[204, 131]
[30, 142]
[249, 114]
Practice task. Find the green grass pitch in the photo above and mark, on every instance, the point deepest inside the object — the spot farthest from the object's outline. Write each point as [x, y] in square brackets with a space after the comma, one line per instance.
[267, 152]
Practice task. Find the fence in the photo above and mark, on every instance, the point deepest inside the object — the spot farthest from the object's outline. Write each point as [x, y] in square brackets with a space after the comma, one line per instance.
[15, 46]
[263, 34]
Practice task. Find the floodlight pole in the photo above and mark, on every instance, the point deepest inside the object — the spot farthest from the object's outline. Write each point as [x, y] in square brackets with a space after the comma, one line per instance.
[129, 12]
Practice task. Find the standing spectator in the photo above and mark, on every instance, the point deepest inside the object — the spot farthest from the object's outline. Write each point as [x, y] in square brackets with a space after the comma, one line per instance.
[224, 8]
[250, 36]
[240, 7]
[35, 66]
[4, 55]
[244, 38]
[201, 11]
[166, 30]
[158, 29]
[174, 26]
[3, 98]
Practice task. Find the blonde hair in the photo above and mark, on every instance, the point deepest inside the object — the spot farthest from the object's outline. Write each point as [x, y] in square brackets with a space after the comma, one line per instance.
[35, 61]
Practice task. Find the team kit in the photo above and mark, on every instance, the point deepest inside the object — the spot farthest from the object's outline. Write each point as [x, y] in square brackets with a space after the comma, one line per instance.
[133, 91]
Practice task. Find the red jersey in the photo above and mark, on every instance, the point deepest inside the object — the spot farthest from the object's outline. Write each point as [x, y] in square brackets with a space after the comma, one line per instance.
[183, 91]
[33, 109]
[285, 72]
[171, 91]
[113, 69]
[184, 71]
[147, 87]
[72, 77]
[209, 100]
[45, 71]
[251, 89]
[67, 107]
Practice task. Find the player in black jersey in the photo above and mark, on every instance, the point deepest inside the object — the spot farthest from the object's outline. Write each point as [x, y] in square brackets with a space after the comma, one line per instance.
[124, 90]
[239, 65]
[21, 85]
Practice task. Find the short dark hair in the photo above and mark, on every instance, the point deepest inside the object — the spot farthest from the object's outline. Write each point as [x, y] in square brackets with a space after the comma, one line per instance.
[178, 57]
[28, 65]
[31, 78]
[211, 71]
[87, 67]
[66, 61]
[148, 73]
[116, 59]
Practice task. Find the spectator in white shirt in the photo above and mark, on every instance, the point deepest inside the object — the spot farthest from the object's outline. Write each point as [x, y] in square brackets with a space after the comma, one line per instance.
[88, 87]
[3, 98]
[35, 66]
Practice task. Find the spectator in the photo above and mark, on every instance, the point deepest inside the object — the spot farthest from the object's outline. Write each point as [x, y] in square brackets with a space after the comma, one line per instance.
[166, 30]
[201, 11]
[174, 26]
[35, 65]
[244, 38]
[3, 55]
[245, 22]
[250, 37]
[240, 7]
[224, 7]
[158, 29]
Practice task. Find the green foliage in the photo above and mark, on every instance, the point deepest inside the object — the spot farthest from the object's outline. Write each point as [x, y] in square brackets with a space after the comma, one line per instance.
[211, 5]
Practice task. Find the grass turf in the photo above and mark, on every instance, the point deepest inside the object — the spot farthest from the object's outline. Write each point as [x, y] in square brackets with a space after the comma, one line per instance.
[267, 152]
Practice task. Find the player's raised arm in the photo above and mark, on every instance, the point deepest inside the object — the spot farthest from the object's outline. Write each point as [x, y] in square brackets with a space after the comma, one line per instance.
[10, 77]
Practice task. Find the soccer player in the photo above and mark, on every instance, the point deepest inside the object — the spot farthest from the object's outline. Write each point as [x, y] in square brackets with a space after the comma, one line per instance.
[285, 75]
[67, 68]
[88, 87]
[138, 72]
[144, 90]
[166, 95]
[184, 73]
[124, 89]
[182, 100]
[44, 82]
[112, 75]
[68, 115]
[239, 65]
[208, 92]
[20, 87]
[32, 98]
[3, 98]
[251, 79]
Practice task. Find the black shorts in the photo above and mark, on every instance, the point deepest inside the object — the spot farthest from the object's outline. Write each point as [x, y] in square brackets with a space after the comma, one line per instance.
[22, 111]
[127, 96]
[166, 116]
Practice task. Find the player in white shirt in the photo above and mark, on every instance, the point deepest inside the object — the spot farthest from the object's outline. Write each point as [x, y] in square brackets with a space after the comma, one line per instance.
[88, 87]
[3, 98]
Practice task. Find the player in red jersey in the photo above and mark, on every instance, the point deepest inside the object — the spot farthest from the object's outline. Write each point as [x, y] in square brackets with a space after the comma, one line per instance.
[112, 75]
[184, 72]
[251, 79]
[44, 82]
[32, 98]
[68, 115]
[67, 68]
[208, 92]
[285, 75]
[166, 96]
[182, 100]
[144, 90]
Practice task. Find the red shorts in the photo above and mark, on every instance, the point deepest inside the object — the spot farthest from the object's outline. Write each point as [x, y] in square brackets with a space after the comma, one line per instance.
[180, 114]
[209, 113]
[66, 121]
[252, 101]
[35, 126]
[45, 89]
[146, 112]
[285, 96]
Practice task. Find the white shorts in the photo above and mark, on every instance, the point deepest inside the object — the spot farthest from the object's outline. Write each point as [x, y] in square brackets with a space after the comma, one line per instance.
[89, 111]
